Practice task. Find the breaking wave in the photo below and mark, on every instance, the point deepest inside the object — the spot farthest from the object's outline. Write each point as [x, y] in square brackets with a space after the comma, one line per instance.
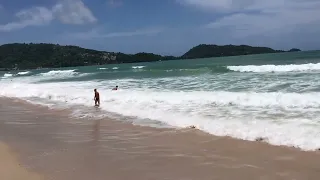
[276, 68]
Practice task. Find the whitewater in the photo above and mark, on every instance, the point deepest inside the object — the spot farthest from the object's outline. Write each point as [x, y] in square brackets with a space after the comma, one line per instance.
[274, 97]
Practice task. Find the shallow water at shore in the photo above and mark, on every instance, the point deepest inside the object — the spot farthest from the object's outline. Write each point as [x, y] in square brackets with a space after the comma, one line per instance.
[60, 147]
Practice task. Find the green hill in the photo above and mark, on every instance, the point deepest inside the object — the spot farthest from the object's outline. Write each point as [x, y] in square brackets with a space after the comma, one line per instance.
[206, 51]
[30, 56]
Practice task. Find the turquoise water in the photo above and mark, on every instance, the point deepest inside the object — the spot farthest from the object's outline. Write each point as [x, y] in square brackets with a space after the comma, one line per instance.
[274, 96]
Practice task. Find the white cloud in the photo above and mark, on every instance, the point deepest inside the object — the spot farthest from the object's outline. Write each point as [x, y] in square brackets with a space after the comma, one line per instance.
[253, 17]
[73, 12]
[96, 33]
[217, 5]
[30, 17]
[66, 11]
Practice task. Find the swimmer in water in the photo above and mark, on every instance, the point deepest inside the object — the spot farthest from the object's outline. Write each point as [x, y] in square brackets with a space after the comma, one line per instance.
[96, 98]
[116, 88]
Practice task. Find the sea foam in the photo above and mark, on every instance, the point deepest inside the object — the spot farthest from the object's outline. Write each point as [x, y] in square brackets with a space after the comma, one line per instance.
[280, 118]
[276, 68]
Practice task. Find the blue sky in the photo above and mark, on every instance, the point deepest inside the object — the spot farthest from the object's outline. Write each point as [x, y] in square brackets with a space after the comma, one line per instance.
[168, 27]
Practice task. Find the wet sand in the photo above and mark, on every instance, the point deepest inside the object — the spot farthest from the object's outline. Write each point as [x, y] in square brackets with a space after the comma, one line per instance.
[10, 167]
[56, 146]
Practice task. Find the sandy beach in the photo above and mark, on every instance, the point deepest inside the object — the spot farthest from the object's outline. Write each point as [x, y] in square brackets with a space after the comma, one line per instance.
[39, 143]
[11, 168]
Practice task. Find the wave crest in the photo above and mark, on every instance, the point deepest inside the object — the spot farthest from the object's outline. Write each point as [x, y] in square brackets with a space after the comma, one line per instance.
[276, 68]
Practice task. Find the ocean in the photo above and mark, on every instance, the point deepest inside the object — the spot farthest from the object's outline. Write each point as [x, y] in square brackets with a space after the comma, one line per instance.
[271, 96]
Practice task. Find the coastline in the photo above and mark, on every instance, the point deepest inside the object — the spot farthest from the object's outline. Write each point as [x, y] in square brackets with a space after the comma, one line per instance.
[103, 57]
[54, 144]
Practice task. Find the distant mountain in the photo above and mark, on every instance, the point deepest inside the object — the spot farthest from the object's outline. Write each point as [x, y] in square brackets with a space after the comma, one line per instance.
[31, 56]
[294, 50]
[206, 51]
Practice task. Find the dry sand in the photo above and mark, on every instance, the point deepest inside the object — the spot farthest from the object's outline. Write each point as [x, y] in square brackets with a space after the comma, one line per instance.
[59, 147]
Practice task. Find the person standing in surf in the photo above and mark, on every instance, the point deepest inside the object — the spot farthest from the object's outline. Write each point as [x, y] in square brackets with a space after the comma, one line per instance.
[96, 98]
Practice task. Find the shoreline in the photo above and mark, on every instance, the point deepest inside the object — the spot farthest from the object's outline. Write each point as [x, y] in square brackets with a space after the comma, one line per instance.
[61, 147]
[68, 112]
